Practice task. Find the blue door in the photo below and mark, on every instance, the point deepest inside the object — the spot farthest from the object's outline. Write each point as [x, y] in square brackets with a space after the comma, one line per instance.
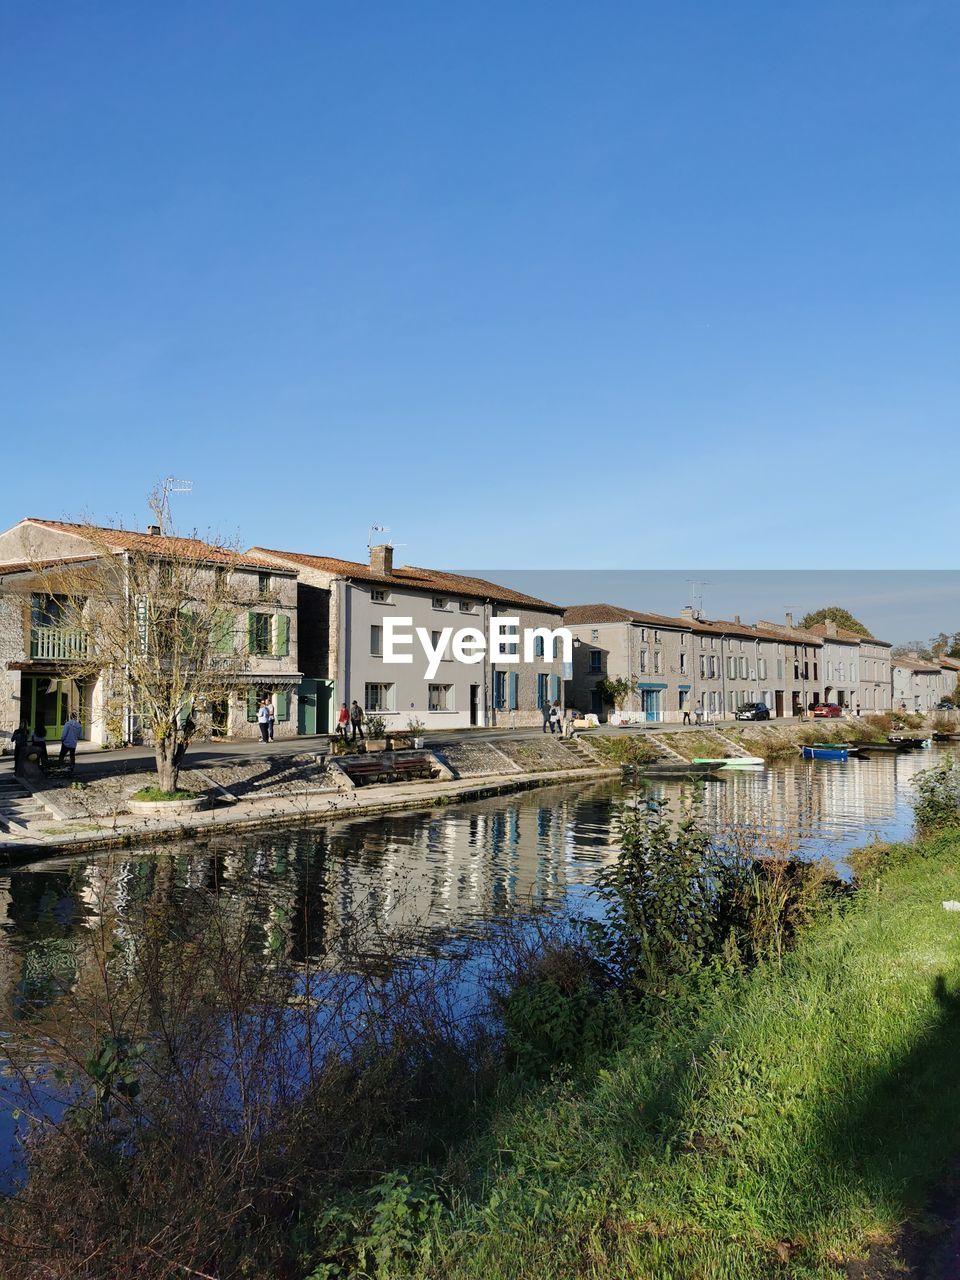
[650, 703]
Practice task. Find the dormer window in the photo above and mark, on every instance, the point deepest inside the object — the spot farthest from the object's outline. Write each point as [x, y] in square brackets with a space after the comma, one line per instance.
[263, 585]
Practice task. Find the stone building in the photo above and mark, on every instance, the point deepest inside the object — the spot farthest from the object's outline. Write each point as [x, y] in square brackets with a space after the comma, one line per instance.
[916, 683]
[37, 649]
[344, 606]
[949, 678]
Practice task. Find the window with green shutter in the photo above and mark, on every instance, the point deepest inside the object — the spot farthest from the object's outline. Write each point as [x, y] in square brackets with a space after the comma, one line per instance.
[222, 633]
[282, 704]
[252, 701]
[281, 635]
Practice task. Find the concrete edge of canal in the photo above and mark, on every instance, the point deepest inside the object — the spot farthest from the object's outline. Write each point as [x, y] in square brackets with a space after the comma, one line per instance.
[128, 831]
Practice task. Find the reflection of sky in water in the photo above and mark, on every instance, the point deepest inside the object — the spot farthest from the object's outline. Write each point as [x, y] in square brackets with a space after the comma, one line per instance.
[435, 876]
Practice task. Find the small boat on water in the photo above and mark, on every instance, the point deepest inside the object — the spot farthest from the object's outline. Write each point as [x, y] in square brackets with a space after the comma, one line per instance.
[891, 748]
[669, 769]
[827, 751]
[731, 762]
[910, 744]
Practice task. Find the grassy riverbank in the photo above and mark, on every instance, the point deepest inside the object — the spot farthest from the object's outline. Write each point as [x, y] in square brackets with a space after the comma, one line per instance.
[787, 1120]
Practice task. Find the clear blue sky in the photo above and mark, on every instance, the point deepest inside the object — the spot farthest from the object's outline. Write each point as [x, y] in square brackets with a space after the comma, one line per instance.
[629, 285]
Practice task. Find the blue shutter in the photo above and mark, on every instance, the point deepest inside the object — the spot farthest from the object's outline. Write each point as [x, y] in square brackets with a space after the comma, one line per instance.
[554, 688]
[514, 691]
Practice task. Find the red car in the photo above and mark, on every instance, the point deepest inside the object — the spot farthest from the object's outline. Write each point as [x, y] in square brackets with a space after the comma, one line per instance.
[827, 709]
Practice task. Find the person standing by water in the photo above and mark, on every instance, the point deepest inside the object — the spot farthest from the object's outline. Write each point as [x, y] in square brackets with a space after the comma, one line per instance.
[69, 738]
[20, 737]
[343, 721]
[263, 720]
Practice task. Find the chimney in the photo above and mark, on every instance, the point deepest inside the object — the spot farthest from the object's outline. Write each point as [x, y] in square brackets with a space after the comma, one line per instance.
[736, 618]
[153, 530]
[687, 611]
[789, 619]
[830, 626]
[381, 558]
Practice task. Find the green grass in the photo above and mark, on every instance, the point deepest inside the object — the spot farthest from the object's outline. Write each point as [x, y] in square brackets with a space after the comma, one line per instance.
[158, 794]
[628, 749]
[799, 1114]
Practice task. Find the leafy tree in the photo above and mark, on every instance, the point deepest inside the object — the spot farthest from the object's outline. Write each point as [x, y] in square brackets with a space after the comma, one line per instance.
[836, 613]
[946, 644]
[614, 691]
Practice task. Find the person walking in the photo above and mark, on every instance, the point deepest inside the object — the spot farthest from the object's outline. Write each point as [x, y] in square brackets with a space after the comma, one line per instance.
[343, 721]
[69, 738]
[271, 711]
[20, 737]
[356, 721]
[556, 715]
[39, 742]
[263, 720]
[685, 708]
[545, 711]
[698, 713]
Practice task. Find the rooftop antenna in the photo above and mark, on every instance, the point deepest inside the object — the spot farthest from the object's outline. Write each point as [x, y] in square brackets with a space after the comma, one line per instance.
[375, 529]
[160, 499]
[696, 586]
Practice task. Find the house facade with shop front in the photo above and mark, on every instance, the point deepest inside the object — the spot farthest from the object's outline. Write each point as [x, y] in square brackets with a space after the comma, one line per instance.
[344, 609]
[39, 651]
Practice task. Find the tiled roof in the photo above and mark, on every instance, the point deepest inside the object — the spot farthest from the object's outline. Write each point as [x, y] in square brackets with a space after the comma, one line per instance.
[436, 580]
[153, 544]
[951, 664]
[30, 566]
[795, 635]
[912, 662]
[581, 614]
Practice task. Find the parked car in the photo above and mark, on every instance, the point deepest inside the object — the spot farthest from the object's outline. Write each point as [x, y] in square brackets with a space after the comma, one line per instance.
[753, 711]
[827, 709]
[945, 705]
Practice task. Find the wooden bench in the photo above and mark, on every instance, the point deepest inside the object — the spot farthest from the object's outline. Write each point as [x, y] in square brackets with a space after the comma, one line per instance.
[388, 768]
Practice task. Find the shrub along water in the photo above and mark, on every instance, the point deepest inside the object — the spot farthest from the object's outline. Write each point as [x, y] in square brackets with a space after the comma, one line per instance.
[664, 1089]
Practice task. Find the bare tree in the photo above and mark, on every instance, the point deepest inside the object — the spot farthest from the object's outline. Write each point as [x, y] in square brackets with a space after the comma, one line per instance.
[156, 619]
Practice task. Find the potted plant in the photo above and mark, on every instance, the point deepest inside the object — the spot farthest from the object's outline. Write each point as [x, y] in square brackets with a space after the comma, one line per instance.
[376, 728]
[416, 729]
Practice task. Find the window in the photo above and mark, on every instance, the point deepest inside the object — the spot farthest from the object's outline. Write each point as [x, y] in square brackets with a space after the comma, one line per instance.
[596, 660]
[595, 634]
[439, 602]
[779, 668]
[513, 645]
[683, 662]
[643, 660]
[742, 667]
[435, 641]
[500, 690]
[221, 578]
[656, 636]
[466, 606]
[762, 668]
[376, 641]
[657, 661]
[731, 667]
[379, 596]
[643, 635]
[165, 573]
[538, 647]
[263, 584]
[377, 697]
[438, 697]
[703, 666]
[714, 666]
[261, 634]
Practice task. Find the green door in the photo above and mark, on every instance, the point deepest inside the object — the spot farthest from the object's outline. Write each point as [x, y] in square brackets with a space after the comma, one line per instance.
[325, 706]
[44, 700]
[307, 706]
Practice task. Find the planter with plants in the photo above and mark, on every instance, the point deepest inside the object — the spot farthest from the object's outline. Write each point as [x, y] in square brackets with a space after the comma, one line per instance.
[155, 800]
[416, 728]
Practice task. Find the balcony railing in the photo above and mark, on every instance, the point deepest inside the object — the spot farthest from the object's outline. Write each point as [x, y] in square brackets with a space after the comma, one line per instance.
[57, 643]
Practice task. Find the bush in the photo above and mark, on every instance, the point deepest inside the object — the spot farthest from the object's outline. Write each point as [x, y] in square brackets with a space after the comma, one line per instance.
[376, 727]
[937, 802]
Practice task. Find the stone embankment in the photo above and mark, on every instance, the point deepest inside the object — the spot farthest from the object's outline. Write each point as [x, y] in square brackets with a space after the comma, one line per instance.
[94, 807]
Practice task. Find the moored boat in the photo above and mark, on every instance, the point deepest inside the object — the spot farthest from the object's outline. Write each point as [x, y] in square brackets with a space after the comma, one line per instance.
[823, 751]
[730, 762]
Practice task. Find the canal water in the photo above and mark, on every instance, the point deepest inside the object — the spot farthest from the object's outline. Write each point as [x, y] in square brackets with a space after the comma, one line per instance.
[440, 875]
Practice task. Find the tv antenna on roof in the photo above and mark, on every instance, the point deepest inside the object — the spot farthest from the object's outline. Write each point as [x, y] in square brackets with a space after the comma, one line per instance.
[375, 529]
[160, 499]
[696, 594]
